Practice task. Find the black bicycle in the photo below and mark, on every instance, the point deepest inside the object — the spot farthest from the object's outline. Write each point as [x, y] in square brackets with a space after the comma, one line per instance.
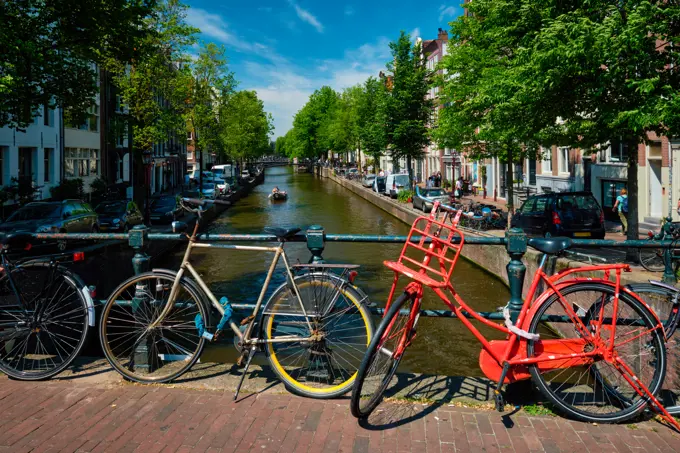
[45, 312]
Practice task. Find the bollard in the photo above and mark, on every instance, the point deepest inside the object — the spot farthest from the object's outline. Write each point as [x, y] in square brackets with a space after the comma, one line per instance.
[136, 240]
[140, 263]
[315, 243]
[516, 247]
[665, 233]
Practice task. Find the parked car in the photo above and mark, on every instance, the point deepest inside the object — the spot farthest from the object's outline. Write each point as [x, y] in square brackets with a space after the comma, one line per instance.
[572, 214]
[209, 189]
[223, 187]
[194, 176]
[421, 203]
[165, 209]
[245, 174]
[352, 173]
[119, 215]
[396, 183]
[222, 171]
[379, 184]
[368, 180]
[68, 216]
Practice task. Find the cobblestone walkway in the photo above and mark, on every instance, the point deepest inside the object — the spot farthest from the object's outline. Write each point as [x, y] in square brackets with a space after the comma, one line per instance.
[72, 417]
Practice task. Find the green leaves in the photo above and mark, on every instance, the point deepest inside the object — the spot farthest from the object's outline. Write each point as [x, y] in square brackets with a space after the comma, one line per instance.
[245, 126]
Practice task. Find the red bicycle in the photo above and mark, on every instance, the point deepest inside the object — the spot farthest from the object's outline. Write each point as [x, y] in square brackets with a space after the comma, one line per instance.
[593, 348]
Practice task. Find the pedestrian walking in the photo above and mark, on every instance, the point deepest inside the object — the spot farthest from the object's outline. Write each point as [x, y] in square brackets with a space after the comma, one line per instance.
[459, 187]
[621, 206]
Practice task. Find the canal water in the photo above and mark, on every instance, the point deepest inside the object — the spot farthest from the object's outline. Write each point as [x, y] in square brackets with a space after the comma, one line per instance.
[442, 346]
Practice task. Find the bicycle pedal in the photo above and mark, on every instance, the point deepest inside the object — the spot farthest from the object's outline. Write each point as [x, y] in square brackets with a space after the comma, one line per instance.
[500, 402]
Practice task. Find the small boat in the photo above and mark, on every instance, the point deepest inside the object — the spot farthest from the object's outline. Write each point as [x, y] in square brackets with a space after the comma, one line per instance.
[278, 196]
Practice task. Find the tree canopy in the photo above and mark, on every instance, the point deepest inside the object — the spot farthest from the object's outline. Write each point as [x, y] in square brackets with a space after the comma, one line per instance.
[246, 126]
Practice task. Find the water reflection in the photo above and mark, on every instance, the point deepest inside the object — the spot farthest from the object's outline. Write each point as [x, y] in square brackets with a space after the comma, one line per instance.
[442, 346]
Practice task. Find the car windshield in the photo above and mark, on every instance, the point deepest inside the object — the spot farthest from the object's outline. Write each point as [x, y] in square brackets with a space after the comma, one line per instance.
[164, 203]
[111, 208]
[435, 193]
[401, 180]
[43, 211]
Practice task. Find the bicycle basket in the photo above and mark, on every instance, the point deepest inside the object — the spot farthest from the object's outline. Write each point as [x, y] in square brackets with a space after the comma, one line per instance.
[431, 259]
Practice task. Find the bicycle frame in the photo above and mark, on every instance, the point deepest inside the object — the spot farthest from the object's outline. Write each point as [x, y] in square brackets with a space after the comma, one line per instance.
[244, 337]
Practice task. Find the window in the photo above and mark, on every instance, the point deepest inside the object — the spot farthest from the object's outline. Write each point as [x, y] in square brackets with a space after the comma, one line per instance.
[91, 120]
[541, 203]
[2, 165]
[546, 165]
[618, 151]
[189, 136]
[528, 206]
[563, 159]
[25, 162]
[79, 162]
[48, 163]
[48, 116]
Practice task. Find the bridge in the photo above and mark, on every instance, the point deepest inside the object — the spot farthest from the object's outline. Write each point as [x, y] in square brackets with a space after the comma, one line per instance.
[273, 161]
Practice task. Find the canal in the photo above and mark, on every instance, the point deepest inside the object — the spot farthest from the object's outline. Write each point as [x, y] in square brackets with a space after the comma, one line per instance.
[443, 346]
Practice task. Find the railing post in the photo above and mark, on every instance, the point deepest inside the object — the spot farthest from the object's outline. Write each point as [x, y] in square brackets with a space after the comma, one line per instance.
[140, 263]
[516, 247]
[315, 243]
[668, 274]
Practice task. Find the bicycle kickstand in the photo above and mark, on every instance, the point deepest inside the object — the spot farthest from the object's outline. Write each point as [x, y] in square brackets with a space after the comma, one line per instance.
[251, 353]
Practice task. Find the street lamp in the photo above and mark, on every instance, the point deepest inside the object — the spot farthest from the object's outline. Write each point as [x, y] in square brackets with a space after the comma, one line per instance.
[147, 159]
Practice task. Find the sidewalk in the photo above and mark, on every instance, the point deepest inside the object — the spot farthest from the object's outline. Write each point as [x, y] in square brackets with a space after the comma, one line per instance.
[70, 416]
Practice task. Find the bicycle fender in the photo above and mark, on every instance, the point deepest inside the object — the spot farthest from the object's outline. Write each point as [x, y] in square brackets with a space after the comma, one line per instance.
[85, 291]
[172, 274]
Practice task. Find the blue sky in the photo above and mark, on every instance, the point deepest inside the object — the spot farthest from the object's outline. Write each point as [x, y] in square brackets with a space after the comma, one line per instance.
[285, 49]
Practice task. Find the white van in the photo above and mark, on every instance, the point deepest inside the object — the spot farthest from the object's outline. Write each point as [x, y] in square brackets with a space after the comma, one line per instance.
[222, 171]
[396, 183]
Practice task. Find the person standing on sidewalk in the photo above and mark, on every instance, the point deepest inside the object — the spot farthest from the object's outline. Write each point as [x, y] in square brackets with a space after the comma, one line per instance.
[622, 206]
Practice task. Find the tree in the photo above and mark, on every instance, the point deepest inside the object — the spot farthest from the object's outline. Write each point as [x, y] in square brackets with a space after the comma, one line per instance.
[210, 84]
[245, 126]
[312, 124]
[280, 146]
[407, 105]
[49, 49]
[372, 119]
[153, 86]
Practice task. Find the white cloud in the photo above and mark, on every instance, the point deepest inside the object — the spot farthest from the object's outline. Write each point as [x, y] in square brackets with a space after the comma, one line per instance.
[415, 34]
[306, 16]
[447, 11]
[349, 10]
[214, 26]
[285, 88]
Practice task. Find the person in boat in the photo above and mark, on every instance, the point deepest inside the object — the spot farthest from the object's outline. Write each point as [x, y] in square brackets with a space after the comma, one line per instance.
[275, 190]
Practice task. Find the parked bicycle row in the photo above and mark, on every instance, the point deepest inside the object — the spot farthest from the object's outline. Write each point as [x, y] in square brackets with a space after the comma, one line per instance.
[595, 348]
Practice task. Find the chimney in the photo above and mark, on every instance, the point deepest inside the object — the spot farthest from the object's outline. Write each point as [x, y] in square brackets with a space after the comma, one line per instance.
[443, 35]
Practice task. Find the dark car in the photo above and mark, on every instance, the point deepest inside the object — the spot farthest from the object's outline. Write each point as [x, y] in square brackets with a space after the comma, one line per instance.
[165, 210]
[118, 215]
[380, 184]
[420, 201]
[68, 216]
[572, 214]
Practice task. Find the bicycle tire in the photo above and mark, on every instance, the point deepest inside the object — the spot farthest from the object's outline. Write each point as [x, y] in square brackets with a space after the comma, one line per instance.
[651, 259]
[364, 400]
[49, 344]
[619, 410]
[347, 323]
[165, 354]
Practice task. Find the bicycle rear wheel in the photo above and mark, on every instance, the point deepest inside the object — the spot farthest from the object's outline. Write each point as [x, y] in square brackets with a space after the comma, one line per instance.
[595, 390]
[44, 331]
[162, 353]
[651, 259]
[663, 302]
[383, 356]
[321, 362]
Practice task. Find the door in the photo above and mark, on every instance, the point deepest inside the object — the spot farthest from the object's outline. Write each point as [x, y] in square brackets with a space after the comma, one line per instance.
[70, 217]
[655, 188]
[587, 169]
[539, 216]
[532, 172]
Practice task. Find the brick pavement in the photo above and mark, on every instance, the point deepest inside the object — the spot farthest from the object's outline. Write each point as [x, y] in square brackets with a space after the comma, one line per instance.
[71, 416]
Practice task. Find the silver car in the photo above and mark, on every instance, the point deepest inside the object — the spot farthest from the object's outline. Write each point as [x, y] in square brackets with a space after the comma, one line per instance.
[419, 202]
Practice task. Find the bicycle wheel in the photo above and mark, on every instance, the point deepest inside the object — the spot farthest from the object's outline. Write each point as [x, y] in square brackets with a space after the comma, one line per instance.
[382, 359]
[662, 301]
[162, 353]
[651, 259]
[341, 329]
[594, 390]
[42, 332]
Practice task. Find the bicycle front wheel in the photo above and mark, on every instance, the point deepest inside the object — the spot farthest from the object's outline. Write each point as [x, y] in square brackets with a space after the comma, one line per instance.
[383, 356]
[594, 390]
[43, 330]
[651, 259]
[145, 353]
[316, 348]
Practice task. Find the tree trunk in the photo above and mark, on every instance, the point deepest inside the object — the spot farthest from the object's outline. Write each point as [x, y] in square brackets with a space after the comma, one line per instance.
[140, 185]
[410, 172]
[361, 170]
[510, 183]
[632, 216]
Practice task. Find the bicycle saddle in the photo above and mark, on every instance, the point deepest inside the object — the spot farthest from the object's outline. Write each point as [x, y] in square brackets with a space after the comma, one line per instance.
[16, 241]
[550, 246]
[282, 234]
